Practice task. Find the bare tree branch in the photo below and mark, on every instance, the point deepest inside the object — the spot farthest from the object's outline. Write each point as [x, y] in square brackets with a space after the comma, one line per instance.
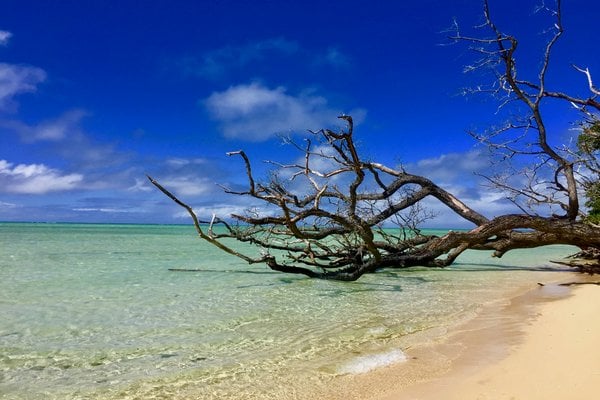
[330, 210]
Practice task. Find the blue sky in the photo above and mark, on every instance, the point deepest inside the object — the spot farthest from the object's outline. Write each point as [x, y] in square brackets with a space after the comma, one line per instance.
[95, 94]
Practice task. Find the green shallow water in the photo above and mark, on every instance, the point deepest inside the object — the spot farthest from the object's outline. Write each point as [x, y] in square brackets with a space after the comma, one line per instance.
[91, 311]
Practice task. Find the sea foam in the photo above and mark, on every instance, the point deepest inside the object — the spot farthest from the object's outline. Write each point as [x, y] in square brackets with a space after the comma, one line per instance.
[363, 364]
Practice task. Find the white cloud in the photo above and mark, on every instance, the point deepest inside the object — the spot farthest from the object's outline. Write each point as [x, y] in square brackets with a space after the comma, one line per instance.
[16, 79]
[216, 63]
[56, 129]
[35, 179]
[254, 112]
[223, 211]
[4, 37]
[184, 177]
[4, 204]
[335, 58]
[141, 185]
[452, 166]
[188, 185]
[183, 162]
[206, 212]
[106, 210]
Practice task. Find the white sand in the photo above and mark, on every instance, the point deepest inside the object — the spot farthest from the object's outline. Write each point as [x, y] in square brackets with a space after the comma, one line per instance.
[555, 357]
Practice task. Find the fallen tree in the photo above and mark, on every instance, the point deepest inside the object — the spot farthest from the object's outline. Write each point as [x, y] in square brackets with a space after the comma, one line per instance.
[326, 216]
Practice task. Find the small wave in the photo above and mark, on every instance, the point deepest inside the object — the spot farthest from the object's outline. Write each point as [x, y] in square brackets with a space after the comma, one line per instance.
[363, 364]
[376, 331]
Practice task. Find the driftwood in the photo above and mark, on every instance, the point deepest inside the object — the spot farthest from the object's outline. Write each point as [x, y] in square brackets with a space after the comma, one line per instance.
[323, 215]
[579, 283]
[586, 261]
[574, 283]
[186, 270]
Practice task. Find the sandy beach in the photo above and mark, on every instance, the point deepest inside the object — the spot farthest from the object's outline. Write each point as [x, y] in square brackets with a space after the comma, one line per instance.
[551, 353]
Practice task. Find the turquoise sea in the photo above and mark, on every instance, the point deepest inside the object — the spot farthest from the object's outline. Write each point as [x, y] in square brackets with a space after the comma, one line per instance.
[93, 312]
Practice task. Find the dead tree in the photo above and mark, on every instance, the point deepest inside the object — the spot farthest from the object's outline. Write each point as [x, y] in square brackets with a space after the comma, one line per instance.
[326, 215]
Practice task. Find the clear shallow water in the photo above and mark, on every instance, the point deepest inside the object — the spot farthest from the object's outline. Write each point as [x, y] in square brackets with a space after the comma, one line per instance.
[91, 311]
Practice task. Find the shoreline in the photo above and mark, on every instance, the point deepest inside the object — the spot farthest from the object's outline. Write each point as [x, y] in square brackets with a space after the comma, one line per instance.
[541, 344]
